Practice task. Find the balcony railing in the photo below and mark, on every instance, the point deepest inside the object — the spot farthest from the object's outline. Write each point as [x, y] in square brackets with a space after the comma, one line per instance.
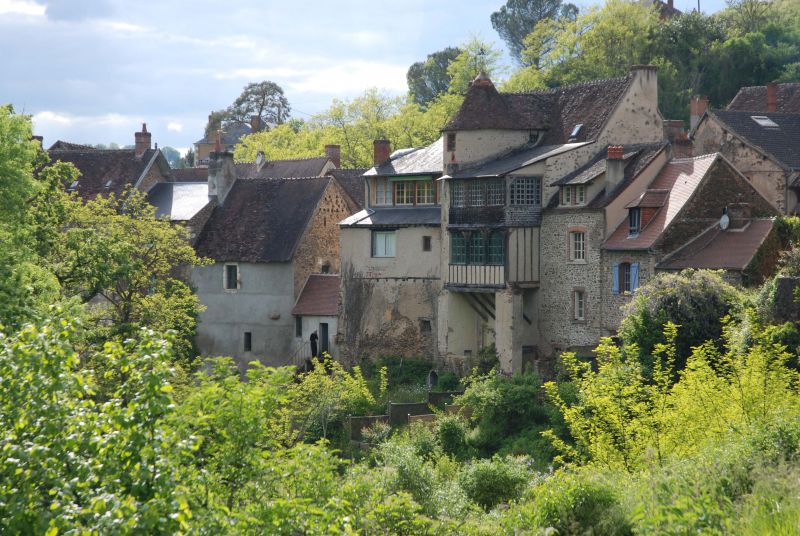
[476, 275]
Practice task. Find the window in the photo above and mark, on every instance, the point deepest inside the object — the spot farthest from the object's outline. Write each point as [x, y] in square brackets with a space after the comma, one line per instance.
[566, 195]
[577, 246]
[451, 141]
[231, 281]
[298, 326]
[496, 249]
[325, 268]
[404, 193]
[624, 277]
[383, 243]
[383, 192]
[424, 325]
[458, 248]
[573, 195]
[457, 194]
[634, 221]
[579, 305]
[580, 195]
[248, 341]
[424, 192]
[525, 191]
[474, 193]
[476, 251]
[495, 193]
[426, 243]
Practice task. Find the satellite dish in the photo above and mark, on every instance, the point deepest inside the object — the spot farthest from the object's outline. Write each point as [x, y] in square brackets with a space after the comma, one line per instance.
[724, 222]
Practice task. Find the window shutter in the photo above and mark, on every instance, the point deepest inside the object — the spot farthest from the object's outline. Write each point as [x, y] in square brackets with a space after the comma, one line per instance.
[634, 276]
[615, 278]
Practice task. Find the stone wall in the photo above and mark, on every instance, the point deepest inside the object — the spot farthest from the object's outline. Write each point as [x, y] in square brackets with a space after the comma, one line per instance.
[613, 305]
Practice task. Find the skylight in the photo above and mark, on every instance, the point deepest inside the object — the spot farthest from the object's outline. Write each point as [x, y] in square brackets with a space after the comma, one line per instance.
[576, 131]
[764, 121]
[73, 186]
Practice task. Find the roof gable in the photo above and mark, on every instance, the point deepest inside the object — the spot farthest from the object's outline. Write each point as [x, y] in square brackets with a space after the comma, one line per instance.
[754, 99]
[104, 172]
[782, 143]
[319, 297]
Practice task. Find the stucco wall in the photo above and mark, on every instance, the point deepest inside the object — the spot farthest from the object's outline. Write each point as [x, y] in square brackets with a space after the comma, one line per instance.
[475, 145]
[311, 324]
[262, 305]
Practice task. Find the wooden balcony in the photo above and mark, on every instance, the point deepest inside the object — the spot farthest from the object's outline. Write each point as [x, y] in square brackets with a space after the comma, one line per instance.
[476, 276]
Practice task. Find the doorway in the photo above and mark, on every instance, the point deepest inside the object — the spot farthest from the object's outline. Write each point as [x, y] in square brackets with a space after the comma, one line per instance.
[323, 337]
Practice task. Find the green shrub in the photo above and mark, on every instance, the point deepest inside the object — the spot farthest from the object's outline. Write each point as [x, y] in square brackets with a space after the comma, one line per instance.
[491, 482]
[448, 382]
[451, 431]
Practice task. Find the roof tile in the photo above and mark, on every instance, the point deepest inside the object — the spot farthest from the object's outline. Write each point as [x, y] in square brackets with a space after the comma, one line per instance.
[319, 297]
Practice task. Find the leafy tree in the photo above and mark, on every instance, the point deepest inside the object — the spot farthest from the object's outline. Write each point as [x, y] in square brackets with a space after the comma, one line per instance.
[173, 157]
[263, 99]
[215, 122]
[517, 18]
[428, 79]
[476, 57]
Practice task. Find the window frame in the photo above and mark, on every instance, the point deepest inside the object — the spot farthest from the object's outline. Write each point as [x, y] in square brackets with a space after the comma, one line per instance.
[427, 243]
[298, 327]
[451, 141]
[634, 221]
[480, 249]
[579, 298]
[374, 244]
[384, 192]
[526, 192]
[576, 254]
[247, 341]
[226, 276]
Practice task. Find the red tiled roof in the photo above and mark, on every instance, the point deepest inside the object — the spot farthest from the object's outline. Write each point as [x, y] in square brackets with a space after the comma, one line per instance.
[319, 297]
[681, 177]
[717, 249]
[754, 99]
[650, 199]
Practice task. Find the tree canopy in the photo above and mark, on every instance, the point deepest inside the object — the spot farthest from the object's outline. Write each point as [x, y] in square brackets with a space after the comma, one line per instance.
[428, 79]
[517, 18]
[263, 99]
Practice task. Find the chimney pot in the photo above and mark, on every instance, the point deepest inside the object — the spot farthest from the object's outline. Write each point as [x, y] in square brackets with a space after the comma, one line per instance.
[772, 97]
[615, 152]
[334, 153]
[141, 141]
[381, 152]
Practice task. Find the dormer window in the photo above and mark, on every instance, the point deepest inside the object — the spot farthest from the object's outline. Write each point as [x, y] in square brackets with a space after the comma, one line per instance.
[634, 221]
[573, 195]
[576, 131]
[451, 141]
[533, 136]
[383, 192]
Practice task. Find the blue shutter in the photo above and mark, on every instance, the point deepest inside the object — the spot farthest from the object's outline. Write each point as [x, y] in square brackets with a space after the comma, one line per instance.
[634, 276]
[615, 278]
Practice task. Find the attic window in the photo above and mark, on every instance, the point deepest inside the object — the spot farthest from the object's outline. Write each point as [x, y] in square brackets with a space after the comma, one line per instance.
[533, 136]
[451, 141]
[634, 221]
[764, 121]
[575, 132]
[73, 186]
[108, 184]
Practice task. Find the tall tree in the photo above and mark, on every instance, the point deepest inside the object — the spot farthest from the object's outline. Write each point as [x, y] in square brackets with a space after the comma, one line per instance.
[263, 99]
[515, 20]
[429, 79]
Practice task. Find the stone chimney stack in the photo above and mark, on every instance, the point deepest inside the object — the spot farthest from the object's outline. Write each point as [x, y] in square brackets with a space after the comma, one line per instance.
[615, 167]
[382, 150]
[772, 97]
[334, 153]
[255, 123]
[142, 141]
[221, 173]
[697, 108]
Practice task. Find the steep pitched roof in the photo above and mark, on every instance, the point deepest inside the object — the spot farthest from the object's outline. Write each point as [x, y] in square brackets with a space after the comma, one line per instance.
[754, 99]
[61, 145]
[781, 142]
[681, 177]
[319, 297]
[715, 249]
[262, 220]
[557, 110]
[420, 161]
[515, 159]
[178, 201]
[352, 182]
[105, 172]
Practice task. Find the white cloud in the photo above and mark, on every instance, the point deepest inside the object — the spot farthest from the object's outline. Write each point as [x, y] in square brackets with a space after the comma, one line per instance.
[48, 117]
[118, 26]
[52, 117]
[21, 7]
[365, 38]
[174, 126]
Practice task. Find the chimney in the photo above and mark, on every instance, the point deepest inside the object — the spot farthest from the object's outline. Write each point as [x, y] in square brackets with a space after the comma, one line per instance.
[218, 142]
[673, 130]
[739, 214]
[382, 150]
[772, 97]
[221, 174]
[334, 153]
[615, 167]
[697, 108]
[255, 123]
[142, 141]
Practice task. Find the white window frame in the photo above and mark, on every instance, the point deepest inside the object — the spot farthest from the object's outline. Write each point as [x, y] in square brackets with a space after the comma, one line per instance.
[383, 192]
[382, 246]
[577, 249]
[579, 305]
[225, 277]
[580, 194]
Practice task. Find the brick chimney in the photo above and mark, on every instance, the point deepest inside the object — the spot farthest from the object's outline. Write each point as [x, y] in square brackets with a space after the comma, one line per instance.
[772, 97]
[255, 123]
[697, 108]
[382, 150]
[615, 167]
[739, 214]
[334, 153]
[142, 141]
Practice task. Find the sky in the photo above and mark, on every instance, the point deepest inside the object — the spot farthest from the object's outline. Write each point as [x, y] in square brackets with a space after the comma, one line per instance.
[92, 71]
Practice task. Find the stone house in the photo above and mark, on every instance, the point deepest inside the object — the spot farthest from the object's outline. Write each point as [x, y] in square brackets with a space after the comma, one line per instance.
[266, 236]
[110, 171]
[317, 310]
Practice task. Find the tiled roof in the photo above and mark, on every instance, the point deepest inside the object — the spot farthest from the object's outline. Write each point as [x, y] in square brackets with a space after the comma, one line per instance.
[104, 172]
[681, 177]
[352, 181]
[319, 297]
[191, 174]
[67, 146]
[754, 99]
[429, 216]
[557, 110]
[514, 159]
[232, 133]
[179, 201]
[781, 142]
[279, 169]
[650, 199]
[423, 161]
[262, 220]
[716, 249]
[597, 166]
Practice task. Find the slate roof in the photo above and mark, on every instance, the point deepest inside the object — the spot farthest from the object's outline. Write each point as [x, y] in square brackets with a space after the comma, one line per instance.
[681, 176]
[716, 249]
[422, 161]
[178, 201]
[278, 169]
[556, 110]
[782, 143]
[104, 172]
[352, 182]
[232, 133]
[262, 220]
[61, 145]
[191, 174]
[515, 159]
[389, 217]
[319, 297]
[754, 99]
